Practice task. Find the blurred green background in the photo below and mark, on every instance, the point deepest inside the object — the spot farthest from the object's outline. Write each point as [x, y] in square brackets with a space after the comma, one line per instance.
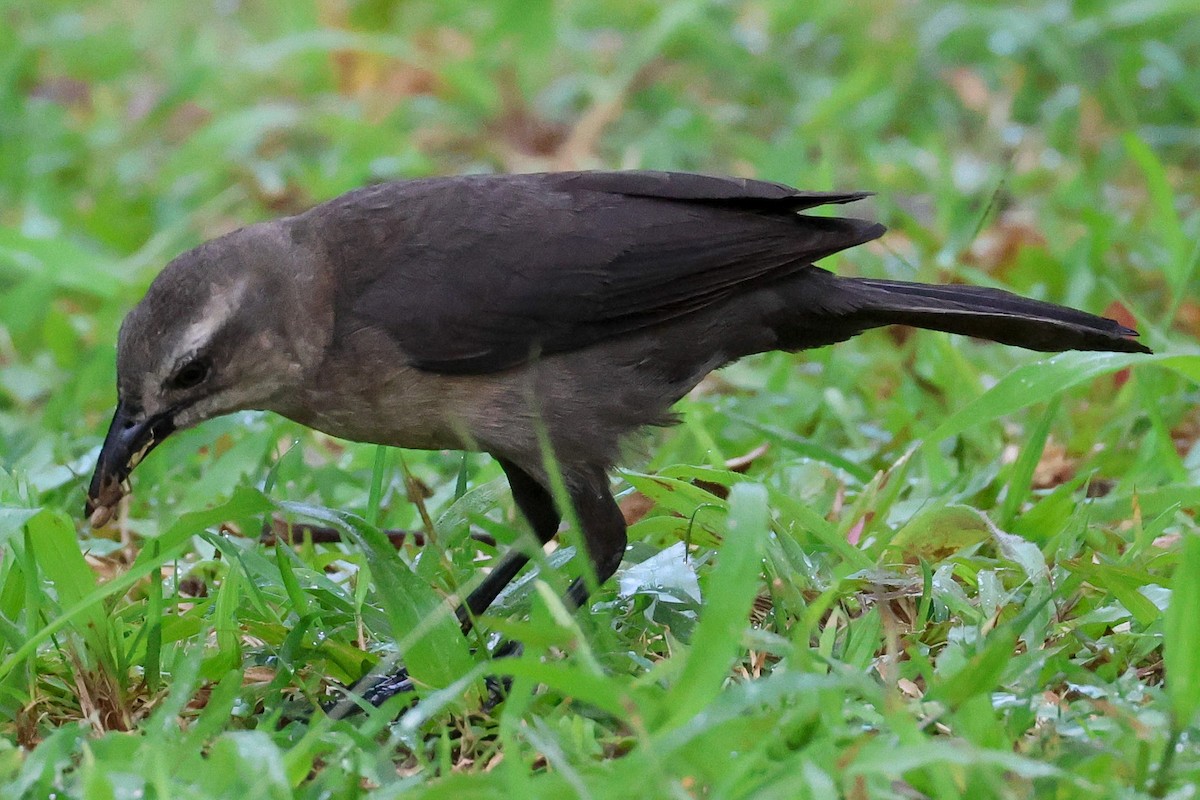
[967, 586]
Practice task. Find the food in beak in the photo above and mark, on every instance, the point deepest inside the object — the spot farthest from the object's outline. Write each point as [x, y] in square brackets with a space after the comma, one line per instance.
[130, 437]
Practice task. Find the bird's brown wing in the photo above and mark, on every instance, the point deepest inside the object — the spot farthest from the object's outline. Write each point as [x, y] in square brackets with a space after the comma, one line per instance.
[478, 274]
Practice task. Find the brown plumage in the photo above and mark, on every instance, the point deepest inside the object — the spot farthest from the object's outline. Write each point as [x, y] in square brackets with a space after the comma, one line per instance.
[479, 311]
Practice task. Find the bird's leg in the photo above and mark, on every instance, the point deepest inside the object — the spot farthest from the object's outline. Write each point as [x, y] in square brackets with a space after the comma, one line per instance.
[603, 527]
[536, 504]
[601, 523]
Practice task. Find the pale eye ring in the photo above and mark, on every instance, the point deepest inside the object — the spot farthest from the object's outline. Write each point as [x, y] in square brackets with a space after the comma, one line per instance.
[190, 375]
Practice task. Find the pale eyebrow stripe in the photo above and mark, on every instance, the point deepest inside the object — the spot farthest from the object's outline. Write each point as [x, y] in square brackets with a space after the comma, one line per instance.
[220, 307]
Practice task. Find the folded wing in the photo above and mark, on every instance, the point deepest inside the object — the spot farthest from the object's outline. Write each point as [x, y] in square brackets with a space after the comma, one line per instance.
[491, 271]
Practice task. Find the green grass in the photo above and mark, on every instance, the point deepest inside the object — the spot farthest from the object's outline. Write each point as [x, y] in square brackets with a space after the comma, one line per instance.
[957, 571]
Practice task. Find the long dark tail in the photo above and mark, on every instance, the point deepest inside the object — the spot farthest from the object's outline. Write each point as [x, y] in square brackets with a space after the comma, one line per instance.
[985, 313]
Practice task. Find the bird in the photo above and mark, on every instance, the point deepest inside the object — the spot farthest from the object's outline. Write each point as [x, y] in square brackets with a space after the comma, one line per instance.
[519, 315]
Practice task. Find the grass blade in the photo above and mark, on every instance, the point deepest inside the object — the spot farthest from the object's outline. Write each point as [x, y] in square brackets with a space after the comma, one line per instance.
[731, 591]
[1181, 635]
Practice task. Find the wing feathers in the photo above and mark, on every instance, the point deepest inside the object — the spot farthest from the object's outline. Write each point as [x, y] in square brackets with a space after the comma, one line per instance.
[528, 264]
[733, 192]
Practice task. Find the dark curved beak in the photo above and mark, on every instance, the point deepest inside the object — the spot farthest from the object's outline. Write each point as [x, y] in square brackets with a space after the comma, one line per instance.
[130, 437]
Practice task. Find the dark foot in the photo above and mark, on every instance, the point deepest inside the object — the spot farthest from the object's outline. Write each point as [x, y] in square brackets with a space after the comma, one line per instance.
[371, 690]
[375, 691]
[280, 530]
[498, 687]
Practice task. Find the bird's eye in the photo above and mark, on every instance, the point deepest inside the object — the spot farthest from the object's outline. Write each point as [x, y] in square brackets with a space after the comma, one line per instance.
[190, 375]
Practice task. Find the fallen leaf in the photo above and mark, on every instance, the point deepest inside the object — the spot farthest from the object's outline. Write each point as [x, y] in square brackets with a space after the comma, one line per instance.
[970, 87]
[1054, 468]
[996, 248]
[635, 505]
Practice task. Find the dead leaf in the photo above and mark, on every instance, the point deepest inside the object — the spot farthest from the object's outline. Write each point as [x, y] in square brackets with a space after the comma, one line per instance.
[70, 93]
[970, 87]
[1187, 318]
[257, 675]
[1054, 468]
[105, 567]
[1186, 434]
[996, 248]
[1095, 133]
[186, 119]
[525, 136]
[740, 464]
[635, 505]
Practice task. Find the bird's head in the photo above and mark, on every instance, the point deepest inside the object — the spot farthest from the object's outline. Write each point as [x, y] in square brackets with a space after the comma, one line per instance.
[225, 327]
